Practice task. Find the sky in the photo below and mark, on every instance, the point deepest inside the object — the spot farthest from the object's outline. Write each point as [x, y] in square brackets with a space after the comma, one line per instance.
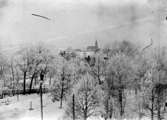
[78, 23]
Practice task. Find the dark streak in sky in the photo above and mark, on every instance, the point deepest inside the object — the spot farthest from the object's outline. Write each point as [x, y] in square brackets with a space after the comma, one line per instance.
[41, 16]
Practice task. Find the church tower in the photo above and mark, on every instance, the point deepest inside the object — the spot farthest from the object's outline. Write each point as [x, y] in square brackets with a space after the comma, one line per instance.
[96, 45]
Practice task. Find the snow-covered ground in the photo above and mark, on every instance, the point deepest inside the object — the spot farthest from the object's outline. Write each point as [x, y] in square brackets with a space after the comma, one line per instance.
[12, 109]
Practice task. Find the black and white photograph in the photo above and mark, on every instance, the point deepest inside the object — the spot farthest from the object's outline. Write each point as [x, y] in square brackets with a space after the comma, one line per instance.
[83, 59]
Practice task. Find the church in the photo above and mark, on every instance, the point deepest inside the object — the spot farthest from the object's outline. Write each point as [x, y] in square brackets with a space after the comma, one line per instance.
[94, 48]
[89, 51]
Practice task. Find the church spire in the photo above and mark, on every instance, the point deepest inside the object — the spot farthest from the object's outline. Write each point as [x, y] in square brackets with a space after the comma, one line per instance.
[96, 45]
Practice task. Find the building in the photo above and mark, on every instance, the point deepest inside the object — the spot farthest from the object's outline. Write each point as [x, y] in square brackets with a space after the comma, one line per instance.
[94, 48]
[89, 51]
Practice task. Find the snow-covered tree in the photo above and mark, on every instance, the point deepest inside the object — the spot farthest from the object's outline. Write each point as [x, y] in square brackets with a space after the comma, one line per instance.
[24, 61]
[86, 99]
[62, 81]
[156, 86]
[120, 76]
[99, 68]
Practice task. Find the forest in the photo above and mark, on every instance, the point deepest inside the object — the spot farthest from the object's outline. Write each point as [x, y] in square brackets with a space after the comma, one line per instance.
[124, 81]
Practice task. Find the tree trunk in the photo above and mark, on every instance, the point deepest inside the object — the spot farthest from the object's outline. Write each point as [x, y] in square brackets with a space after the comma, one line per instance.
[159, 108]
[98, 72]
[100, 82]
[107, 108]
[50, 81]
[85, 118]
[61, 96]
[85, 113]
[73, 106]
[35, 80]
[62, 92]
[13, 76]
[32, 78]
[86, 105]
[41, 93]
[152, 105]
[24, 83]
[111, 109]
[121, 102]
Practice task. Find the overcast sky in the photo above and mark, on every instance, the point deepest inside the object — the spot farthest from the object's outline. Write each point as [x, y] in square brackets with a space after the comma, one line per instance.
[79, 23]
